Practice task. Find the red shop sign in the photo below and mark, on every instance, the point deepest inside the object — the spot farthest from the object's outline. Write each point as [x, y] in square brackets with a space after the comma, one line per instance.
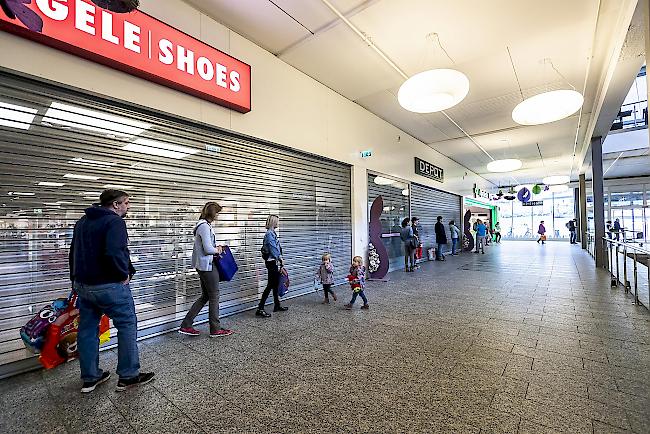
[135, 43]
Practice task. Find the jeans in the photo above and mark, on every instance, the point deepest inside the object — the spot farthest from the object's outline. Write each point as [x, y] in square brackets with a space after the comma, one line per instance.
[573, 236]
[409, 256]
[327, 289]
[439, 255]
[497, 236]
[272, 284]
[480, 242]
[360, 294]
[116, 301]
[209, 293]
[454, 243]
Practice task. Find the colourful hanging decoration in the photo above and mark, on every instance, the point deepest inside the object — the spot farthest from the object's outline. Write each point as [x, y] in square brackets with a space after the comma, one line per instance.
[537, 189]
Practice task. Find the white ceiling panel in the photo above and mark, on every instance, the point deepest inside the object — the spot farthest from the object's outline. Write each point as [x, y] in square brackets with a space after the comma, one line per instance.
[258, 20]
[499, 44]
[340, 60]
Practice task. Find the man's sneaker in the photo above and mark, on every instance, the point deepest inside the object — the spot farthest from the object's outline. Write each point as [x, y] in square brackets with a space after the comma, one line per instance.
[221, 332]
[365, 306]
[142, 378]
[89, 386]
[262, 313]
[280, 309]
[189, 331]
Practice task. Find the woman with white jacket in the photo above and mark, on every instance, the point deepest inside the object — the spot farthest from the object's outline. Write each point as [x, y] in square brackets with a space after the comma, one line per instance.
[205, 248]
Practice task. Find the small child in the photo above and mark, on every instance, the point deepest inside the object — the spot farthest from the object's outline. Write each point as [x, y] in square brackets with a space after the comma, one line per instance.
[326, 275]
[357, 279]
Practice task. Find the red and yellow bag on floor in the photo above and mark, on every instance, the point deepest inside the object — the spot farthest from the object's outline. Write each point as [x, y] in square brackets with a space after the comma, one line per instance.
[60, 344]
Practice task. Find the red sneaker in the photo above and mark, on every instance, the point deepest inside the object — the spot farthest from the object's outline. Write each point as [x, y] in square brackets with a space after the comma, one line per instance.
[189, 331]
[221, 332]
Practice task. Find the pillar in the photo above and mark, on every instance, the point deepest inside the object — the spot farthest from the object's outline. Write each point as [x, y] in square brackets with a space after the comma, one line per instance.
[582, 220]
[599, 205]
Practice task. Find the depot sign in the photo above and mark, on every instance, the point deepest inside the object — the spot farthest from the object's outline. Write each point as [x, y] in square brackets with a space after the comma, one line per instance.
[141, 45]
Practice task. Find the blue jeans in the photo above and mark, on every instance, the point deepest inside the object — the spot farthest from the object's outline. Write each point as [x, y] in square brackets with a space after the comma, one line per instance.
[454, 243]
[116, 301]
[360, 294]
[439, 254]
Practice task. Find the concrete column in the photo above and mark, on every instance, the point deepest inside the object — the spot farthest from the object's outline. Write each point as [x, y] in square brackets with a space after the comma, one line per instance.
[599, 205]
[582, 207]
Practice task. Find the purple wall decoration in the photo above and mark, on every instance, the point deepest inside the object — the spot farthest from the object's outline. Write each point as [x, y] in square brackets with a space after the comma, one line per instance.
[375, 238]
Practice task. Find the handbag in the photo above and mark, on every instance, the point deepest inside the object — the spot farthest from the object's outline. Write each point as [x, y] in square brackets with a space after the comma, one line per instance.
[283, 286]
[226, 265]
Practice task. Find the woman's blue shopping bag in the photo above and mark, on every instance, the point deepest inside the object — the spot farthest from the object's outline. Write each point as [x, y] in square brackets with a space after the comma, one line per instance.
[226, 265]
[283, 286]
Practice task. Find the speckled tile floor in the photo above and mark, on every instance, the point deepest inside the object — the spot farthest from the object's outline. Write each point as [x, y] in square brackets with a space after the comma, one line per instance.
[525, 339]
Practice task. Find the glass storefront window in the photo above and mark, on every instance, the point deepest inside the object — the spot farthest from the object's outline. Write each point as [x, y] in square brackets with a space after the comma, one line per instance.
[522, 222]
[395, 209]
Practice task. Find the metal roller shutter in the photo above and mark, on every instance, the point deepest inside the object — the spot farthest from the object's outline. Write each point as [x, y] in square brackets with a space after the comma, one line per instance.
[428, 203]
[79, 144]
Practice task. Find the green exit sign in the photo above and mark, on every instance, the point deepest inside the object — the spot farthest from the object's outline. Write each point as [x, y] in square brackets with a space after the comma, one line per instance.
[366, 154]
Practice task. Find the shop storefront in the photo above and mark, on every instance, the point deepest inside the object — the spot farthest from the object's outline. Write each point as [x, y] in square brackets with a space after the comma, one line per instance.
[61, 148]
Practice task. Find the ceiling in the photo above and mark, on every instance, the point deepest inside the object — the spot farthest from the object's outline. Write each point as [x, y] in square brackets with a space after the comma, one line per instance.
[488, 41]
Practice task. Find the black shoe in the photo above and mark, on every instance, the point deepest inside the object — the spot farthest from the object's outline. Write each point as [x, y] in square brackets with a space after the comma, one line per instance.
[262, 313]
[280, 309]
[89, 386]
[124, 384]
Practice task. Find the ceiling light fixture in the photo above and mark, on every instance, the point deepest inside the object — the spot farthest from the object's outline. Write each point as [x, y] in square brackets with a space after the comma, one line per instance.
[433, 90]
[556, 179]
[66, 115]
[507, 165]
[51, 184]
[160, 149]
[16, 116]
[93, 163]
[19, 193]
[118, 187]
[380, 180]
[405, 192]
[84, 177]
[548, 106]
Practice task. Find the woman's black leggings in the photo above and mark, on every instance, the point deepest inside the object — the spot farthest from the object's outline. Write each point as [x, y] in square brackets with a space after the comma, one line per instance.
[272, 284]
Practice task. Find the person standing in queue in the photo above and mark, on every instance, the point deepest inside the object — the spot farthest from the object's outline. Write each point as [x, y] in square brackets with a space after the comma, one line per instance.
[205, 248]
[272, 255]
[101, 270]
[441, 239]
[481, 233]
[455, 236]
[408, 240]
[415, 222]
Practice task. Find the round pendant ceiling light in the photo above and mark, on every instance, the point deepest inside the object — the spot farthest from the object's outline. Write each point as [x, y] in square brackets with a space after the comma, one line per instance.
[547, 107]
[433, 91]
[556, 179]
[507, 165]
[380, 180]
[558, 188]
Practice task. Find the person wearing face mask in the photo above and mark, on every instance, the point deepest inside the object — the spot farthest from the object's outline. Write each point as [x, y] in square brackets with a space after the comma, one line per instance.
[101, 270]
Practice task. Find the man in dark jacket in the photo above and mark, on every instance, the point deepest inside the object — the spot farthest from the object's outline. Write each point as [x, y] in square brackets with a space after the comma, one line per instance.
[101, 269]
[441, 239]
[571, 225]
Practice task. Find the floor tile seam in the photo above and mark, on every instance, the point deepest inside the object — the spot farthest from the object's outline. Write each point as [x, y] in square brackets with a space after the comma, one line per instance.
[59, 406]
[622, 406]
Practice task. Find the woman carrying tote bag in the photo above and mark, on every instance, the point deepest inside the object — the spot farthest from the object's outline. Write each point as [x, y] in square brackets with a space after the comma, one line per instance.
[272, 255]
[205, 247]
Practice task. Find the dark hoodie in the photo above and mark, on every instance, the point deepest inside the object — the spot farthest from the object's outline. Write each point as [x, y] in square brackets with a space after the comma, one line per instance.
[99, 251]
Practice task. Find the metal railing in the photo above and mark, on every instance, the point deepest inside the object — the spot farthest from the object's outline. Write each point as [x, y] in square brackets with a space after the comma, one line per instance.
[628, 250]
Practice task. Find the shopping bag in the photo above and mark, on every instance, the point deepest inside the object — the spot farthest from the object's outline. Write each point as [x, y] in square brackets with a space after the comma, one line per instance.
[283, 287]
[418, 253]
[543, 237]
[33, 333]
[226, 264]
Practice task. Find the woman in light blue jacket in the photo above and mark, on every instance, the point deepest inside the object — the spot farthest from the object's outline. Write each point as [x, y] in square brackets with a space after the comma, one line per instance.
[205, 248]
[272, 255]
